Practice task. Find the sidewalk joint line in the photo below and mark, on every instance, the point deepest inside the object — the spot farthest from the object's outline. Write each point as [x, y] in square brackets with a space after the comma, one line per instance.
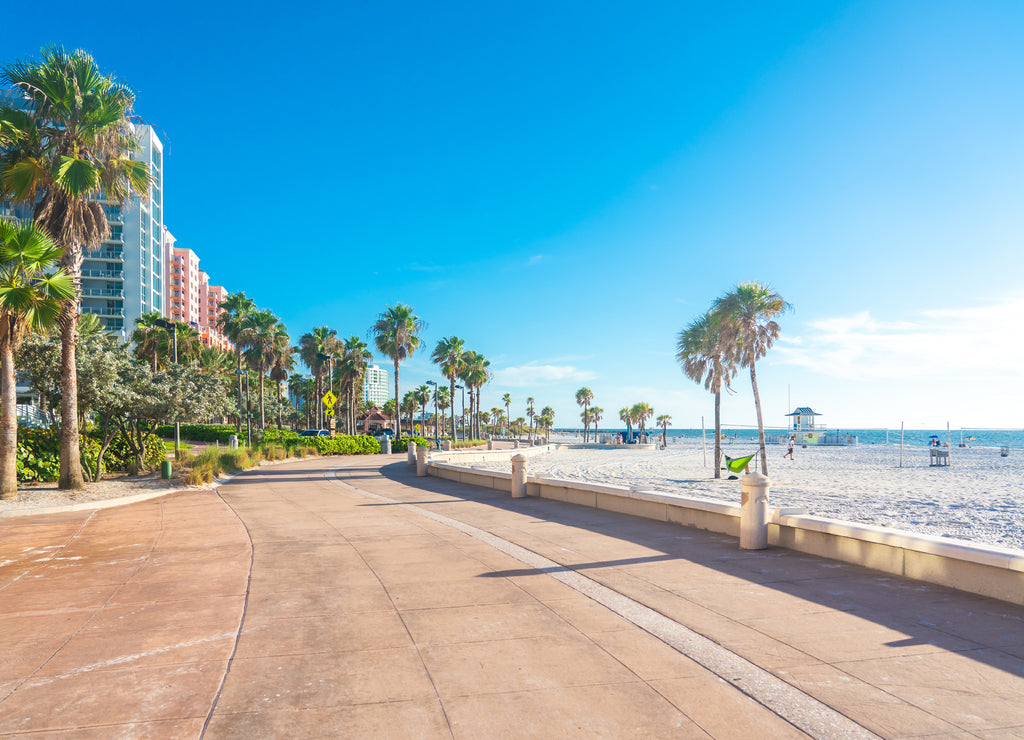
[788, 702]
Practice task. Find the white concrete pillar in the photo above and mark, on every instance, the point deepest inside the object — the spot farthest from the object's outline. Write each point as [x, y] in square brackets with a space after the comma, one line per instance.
[515, 443]
[754, 512]
[446, 445]
[421, 461]
[410, 451]
[385, 445]
[490, 443]
[518, 476]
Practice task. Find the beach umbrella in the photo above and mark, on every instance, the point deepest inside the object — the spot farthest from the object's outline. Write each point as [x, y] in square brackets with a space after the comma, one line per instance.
[934, 436]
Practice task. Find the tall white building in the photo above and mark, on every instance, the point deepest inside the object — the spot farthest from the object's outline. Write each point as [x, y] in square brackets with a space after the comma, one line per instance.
[124, 277]
[376, 387]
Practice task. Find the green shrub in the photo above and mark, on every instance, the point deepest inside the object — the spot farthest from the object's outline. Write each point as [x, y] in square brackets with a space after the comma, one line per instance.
[39, 454]
[279, 435]
[402, 445]
[346, 445]
[203, 432]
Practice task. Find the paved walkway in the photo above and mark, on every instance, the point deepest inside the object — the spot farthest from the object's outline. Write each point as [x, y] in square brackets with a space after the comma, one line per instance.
[299, 602]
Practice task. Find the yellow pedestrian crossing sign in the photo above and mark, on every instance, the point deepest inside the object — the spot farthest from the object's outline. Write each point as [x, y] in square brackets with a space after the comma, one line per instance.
[329, 399]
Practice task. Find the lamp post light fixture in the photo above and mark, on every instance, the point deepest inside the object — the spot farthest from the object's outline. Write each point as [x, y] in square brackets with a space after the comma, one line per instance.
[434, 383]
[463, 425]
[248, 403]
[169, 325]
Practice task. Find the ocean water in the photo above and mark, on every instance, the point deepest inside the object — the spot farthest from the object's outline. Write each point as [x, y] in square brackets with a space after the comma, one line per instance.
[1012, 438]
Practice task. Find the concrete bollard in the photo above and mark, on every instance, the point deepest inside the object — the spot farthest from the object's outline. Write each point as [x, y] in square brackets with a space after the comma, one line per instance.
[490, 443]
[385, 445]
[446, 445]
[515, 443]
[754, 512]
[421, 461]
[518, 476]
[410, 451]
[233, 441]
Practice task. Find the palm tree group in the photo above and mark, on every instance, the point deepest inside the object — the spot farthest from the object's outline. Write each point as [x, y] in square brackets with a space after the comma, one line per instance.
[68, 142]
[396, 334]
[737, 331]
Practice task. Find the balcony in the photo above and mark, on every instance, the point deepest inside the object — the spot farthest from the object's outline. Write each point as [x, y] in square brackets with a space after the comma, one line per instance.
[106, 313]
[98, 293]
[105, 254]
[107, 274]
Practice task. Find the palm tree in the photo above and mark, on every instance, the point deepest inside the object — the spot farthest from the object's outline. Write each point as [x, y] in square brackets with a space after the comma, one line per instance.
[264, 331]
[231, 322]
[626, 416]
[548, 413]
[507, 400]
[31, 295]
[423, 397]
[475, 375]
[397, 335]
[641, 413]
[747, 323]
[583, 398]
[149, 338]
[664, 421]
[595, 417]
[496, 418]
[355, 355]
[282, 367]
[70, 141]
[530, 414]
[313, 347]
[410, 402]
[705, 359]
[442, 397]
[450, 354]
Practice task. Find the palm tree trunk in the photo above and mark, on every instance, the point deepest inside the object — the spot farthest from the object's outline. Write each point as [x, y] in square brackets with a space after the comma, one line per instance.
[8, 425]
[398, 422]
[452, 383]
[279, 404]
[718, 434]
[263, 415]
[238, 374]
[70, 457]
[760, 421]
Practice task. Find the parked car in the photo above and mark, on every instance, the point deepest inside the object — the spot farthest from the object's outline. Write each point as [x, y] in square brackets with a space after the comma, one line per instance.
[314, 433]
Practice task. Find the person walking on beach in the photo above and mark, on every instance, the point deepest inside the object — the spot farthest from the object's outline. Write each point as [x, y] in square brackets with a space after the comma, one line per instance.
[789, 448]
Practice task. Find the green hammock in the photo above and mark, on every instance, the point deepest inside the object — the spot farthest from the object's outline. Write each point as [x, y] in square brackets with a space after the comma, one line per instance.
[738, 464]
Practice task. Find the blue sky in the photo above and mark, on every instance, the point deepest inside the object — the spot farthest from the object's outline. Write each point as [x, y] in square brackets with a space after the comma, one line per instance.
[565, 186]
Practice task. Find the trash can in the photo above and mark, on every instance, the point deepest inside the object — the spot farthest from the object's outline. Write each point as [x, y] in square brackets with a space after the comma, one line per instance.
[165, 469]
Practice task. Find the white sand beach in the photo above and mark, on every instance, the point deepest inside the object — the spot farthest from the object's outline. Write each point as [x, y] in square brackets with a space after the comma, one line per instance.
[979, 497]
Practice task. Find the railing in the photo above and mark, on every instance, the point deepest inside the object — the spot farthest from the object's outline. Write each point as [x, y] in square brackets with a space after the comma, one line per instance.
[104, 293]
[32, 416]
[104, 312]
[119, 274]
[106, 254]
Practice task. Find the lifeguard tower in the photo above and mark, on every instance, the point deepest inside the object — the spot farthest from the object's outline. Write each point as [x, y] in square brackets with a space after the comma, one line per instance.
[803, 426]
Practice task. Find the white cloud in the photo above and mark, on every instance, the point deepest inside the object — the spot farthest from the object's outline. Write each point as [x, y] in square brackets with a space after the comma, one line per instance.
[937, 343]
[535, 375]
[535, 260]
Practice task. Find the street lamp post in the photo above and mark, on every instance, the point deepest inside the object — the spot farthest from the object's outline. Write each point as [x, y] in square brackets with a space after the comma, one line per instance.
[463, 425]
[434, 383]
[164, 324]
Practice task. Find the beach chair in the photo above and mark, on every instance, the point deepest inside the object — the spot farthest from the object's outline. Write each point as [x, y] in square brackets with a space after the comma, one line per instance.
[738, 464]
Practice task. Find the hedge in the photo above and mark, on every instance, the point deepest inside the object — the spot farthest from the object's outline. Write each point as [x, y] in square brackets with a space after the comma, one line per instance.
[402, 445]
[203, 432]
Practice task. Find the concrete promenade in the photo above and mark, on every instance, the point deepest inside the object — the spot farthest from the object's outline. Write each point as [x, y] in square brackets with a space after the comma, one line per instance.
[344, 597]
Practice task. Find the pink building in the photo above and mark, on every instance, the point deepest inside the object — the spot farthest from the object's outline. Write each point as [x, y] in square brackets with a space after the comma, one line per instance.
[190, 297]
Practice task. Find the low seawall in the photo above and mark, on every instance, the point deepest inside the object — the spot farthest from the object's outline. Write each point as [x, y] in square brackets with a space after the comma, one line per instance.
[987, 570]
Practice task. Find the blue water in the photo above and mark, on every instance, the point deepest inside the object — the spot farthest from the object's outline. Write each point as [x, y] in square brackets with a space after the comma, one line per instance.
[1013, 438]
